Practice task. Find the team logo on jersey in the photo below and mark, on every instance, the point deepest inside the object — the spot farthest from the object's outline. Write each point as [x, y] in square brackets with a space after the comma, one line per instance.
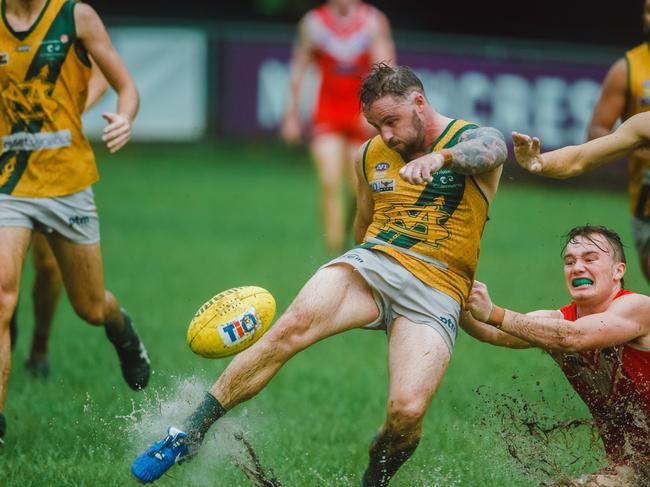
[29, 101]
[380, 170]
[4, 58]
[54, 48]
[424, 222]
[382, 166]
[408, 225]
[237, 330]
[383, 186]
[447, 179]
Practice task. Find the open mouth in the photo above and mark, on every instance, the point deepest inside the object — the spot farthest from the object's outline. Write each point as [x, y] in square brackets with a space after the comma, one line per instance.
[583, 281]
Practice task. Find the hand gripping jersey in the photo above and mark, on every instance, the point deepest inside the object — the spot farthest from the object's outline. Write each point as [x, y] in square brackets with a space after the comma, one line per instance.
[638, 101]
[614, 383]
[433, 231]
[44, 75]
[342, 53]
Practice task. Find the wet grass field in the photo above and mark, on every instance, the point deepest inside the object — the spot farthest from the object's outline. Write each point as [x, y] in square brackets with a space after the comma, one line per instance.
[181, 223]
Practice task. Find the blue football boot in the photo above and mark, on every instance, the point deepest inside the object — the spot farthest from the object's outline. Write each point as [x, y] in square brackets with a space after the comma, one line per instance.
[161, 456]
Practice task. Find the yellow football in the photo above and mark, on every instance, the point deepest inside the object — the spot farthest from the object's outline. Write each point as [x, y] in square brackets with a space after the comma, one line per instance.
[231, 321]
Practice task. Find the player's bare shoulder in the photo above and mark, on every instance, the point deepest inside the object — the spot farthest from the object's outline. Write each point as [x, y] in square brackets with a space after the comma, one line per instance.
[84, 14]
[634, 306]
[307, 30]
[635, 309]
[617, 76]
[87, 21]
[379, 19]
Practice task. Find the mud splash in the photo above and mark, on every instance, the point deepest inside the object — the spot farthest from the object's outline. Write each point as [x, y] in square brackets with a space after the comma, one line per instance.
[251, 466]
[541, 445]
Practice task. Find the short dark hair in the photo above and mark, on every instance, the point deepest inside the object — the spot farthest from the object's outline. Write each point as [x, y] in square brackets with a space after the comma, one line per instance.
[587, 231]
[382, 80]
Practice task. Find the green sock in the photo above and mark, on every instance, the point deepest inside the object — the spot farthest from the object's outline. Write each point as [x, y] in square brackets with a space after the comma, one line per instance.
[122, 336]
[383, 463]
[199, 422]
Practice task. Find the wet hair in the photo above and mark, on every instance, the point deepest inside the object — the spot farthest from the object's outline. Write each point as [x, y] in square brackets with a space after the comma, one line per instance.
[588, 231]
[382, 80]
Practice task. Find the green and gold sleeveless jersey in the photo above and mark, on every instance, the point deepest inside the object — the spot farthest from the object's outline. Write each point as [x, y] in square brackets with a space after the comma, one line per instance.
[434, 231]
[44, 75]
[638, 69]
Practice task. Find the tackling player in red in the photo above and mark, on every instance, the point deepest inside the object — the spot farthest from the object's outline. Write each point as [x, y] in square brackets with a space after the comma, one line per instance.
[601, 341]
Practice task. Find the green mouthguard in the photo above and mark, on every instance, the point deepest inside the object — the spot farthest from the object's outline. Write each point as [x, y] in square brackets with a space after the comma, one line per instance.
[581, 281]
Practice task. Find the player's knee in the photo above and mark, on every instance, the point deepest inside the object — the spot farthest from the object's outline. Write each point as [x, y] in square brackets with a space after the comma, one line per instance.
[91, 312]
[405, 415]
[8, 302]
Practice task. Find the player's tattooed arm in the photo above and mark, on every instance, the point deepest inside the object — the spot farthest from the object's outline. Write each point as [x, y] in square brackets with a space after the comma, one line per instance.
[478, 150]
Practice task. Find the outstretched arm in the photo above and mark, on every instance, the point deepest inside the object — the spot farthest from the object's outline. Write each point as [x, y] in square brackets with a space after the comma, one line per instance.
[489, 334]
[478, 151]
[578, 159]
[626, 319]
[93, 35]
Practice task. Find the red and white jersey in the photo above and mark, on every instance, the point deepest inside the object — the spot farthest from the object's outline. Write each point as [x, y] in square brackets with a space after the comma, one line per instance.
[342, 50]
[615, 384]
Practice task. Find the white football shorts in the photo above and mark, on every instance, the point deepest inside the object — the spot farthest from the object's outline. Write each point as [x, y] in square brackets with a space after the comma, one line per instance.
[73, 216]
[397, 292]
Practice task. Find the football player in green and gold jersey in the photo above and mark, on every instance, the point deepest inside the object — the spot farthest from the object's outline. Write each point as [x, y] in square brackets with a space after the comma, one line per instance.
[47, 166]
[425, 183]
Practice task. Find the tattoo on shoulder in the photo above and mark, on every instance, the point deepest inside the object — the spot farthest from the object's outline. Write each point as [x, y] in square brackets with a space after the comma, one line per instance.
[479, 150]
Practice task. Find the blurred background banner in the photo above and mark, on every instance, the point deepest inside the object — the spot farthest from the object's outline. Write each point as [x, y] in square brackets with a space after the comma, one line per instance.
[169, 65]
[552, 99]
[218, 79]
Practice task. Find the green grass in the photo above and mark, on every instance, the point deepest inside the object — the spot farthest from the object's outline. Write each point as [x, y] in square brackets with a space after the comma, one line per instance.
[181, 223]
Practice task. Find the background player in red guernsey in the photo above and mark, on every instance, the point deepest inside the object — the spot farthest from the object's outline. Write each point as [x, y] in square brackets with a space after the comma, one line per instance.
[343, 38]
[601, 341]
